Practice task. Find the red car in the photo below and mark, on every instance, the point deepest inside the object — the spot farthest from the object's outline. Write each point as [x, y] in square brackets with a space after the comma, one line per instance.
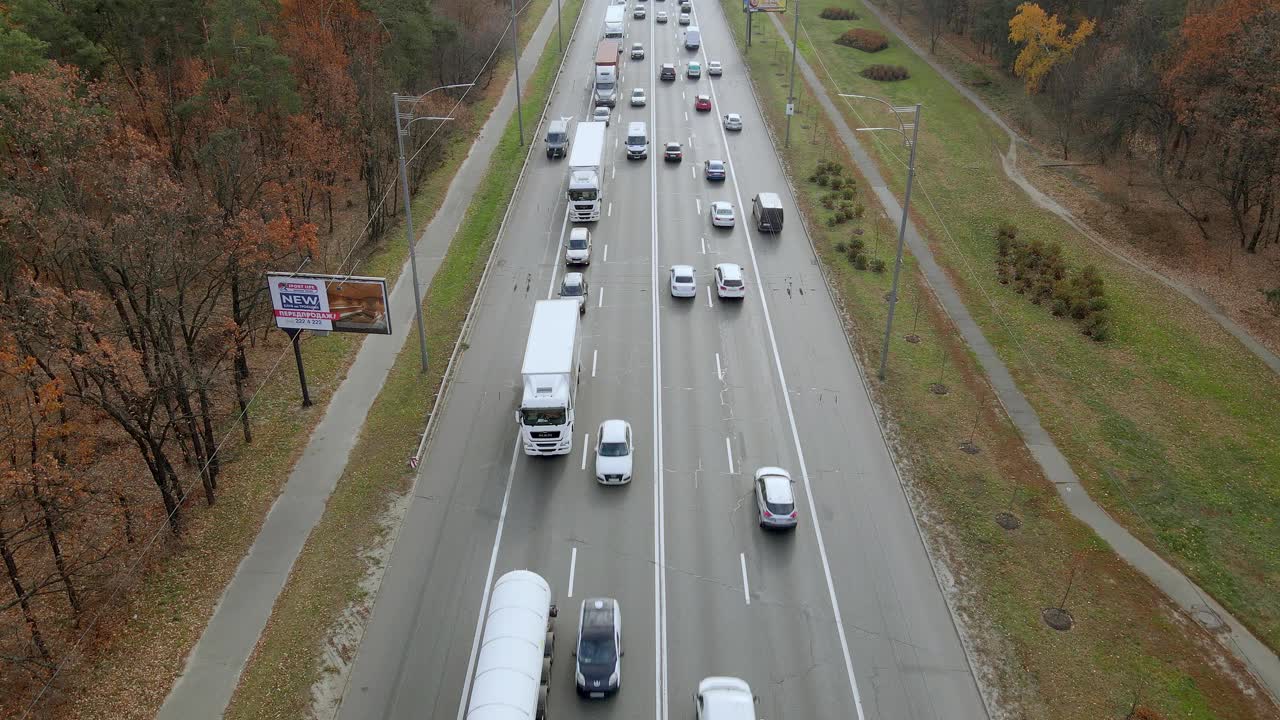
[672, 152]
[702, 103]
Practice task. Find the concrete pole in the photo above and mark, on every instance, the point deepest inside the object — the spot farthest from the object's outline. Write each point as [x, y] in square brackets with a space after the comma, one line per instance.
[408, 229]
[902, 234]
[791, 89]
[515, 53]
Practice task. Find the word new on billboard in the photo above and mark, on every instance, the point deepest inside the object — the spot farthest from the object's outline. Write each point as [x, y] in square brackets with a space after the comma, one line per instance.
[330, 303]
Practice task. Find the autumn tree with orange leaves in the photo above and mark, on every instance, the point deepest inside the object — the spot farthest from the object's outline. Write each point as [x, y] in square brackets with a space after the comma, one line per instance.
[1043, 42]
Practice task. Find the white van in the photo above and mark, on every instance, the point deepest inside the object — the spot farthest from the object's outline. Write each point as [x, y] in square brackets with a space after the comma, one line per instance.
[692, 38]
[637, 141]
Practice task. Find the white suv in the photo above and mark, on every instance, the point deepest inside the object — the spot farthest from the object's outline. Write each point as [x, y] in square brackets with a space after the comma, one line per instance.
[729, 281]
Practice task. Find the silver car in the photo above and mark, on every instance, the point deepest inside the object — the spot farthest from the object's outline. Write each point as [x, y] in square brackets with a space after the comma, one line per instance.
[775, 501]
[578, 251]
[714, 68]
[613, 452]
[638, 98]
[684, 282]
[732, 121]
[575, 286]
[601, 114]
[637, 51]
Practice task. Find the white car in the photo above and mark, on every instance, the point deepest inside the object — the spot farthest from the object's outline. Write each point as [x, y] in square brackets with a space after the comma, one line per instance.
[684, 18]
[775, 502]
[732, 121]
[729, 281]
[722, 214]
[661, 16]
[601, 114]
[574, 286]
[724, 697]
[578, 251]
[637, 51]
[684, 281]
[613, 452]
[638, 98]
[714, 68]
[694, 69]
[638, 13]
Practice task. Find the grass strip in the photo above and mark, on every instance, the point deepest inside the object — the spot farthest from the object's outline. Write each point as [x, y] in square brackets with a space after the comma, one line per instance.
[327, 576]
[147, 638]
[1171, 424]
[1128, 644]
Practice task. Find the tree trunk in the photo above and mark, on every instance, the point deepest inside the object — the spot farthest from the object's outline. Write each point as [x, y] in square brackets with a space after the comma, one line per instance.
[12, 567]
[128, 517]
[56, 548]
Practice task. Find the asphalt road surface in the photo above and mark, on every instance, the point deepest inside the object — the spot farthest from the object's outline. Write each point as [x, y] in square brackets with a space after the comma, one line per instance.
[841, 619]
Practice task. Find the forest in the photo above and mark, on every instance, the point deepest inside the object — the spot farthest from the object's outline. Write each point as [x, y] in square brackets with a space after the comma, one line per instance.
[1188, 88]
[157, 158]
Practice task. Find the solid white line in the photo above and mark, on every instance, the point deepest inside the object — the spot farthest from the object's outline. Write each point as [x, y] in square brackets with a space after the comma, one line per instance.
[555, 266]
[728, 451]
[586, 440]
[488, 580]
[593, 362]
[719, 370]
[746, 591]
[573, 563]
[606, 253]
[709, 296]
[659, 517]
[601, 303]
[791, 419]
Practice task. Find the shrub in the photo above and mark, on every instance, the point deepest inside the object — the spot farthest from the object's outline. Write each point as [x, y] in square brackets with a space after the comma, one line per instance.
[823, 180]
[864, 40]
[860, 262]
[847, 194]
[877, 266]
[828, 201]
[836, 182]
[835, 13]
[832, 221]
[1273, 299]
[1007, 230]
[885, 73]
[859, 210]
[841, 246]
[857, 245]
[854, 253]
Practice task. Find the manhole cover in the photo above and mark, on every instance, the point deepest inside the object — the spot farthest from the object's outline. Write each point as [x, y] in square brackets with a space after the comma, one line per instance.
[913, 338]
[1008, 521]
[1211, 620]
[938, 389]
[1057, 618]
[970, 448]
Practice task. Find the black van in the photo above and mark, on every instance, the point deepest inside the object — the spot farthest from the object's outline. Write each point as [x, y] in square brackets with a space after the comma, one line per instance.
[766, 210]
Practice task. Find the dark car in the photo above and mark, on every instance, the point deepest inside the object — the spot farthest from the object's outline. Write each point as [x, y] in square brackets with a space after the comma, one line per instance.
[713, 169]
[599, 652]
[668, 72]
[672, 151]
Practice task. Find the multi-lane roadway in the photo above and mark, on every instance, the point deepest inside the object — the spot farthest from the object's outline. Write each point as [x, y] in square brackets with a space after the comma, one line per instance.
[843, 618]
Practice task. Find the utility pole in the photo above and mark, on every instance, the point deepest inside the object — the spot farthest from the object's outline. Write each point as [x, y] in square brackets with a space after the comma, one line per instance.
[902, 234]
[559, 37]
[791, 89]
[515, 53]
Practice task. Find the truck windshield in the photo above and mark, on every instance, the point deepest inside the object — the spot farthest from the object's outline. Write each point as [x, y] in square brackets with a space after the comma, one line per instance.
[581, 195]
[542, 417]
[555, 137]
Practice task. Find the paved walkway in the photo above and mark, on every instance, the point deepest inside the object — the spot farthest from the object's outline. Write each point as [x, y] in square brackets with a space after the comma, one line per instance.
[1186, 594]
[213, 668]
[1010, 162]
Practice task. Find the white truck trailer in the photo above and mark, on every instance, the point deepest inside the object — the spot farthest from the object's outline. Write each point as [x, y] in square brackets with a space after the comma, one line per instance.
[586, 179]
[550, 378]
[513, 670]
[615, 18]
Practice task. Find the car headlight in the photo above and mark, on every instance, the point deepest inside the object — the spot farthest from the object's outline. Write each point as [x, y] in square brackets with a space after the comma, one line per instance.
[577, 677]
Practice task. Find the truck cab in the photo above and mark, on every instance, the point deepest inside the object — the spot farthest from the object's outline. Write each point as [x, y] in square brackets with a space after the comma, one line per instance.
[606, 89]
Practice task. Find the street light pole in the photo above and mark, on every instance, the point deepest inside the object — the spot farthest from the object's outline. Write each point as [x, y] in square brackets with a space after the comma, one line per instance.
[515, 53]
[559, 37]
[914, 127]
[791, 94]
[402, 129]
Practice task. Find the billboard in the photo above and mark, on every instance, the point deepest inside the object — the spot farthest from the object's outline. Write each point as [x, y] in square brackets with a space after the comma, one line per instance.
[764, 5]
[337, 303]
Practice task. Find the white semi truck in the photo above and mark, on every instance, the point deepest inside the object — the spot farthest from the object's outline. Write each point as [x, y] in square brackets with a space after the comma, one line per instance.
[550, 378]
[513, 670]
[586, 179]
[615, 18]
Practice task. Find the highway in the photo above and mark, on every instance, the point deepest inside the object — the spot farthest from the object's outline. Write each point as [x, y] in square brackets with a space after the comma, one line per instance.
[841, 619]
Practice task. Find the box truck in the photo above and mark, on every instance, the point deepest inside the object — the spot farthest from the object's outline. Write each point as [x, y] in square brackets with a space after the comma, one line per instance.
[513, 669]
[586, 179]
[615, 16]
[549, 377]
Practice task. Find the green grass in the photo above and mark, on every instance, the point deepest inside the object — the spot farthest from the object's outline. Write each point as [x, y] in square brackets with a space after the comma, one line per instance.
[1127, 639]
[1171, 425]
[325, 580]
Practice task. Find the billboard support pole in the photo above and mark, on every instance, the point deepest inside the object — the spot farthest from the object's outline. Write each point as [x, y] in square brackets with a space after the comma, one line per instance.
[749, 16]
[791, 89]
[294, 334]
